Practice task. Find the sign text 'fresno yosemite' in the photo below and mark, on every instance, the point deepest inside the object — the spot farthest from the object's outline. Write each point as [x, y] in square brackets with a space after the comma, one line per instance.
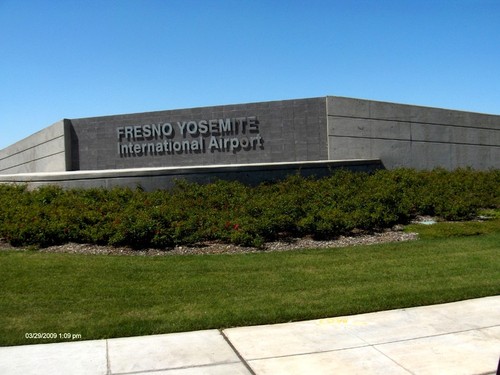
[222, 135]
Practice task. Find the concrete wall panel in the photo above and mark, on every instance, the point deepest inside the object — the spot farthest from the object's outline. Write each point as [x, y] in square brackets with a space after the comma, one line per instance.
[367, 128]
[477, 157]
[411, 136]
[393, 154]
[436, 155]
[347, 107]
[451, 117]
[455, 134]
[44, 151]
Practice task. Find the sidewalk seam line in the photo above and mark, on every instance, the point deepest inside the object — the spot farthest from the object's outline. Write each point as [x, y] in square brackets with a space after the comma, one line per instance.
[108, 364]
[392, 360]
[435, 335]
[175, 368]
[245, 363]
[368, 344]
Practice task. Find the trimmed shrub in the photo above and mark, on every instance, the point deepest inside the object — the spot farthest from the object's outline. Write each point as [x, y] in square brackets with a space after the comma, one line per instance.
[232, 212]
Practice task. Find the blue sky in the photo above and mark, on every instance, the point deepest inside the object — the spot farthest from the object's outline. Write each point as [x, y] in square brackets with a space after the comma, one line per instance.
[71, 59]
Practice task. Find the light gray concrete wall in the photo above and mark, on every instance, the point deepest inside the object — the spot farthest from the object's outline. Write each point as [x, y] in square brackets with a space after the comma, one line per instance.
[161, 178]
[412, 136]
[44, 151]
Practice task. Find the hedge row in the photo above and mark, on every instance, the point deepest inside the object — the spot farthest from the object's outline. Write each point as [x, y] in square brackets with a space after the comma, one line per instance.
[232, 212]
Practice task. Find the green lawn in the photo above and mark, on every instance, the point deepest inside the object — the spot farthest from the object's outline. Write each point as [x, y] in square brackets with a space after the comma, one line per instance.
[113, 296]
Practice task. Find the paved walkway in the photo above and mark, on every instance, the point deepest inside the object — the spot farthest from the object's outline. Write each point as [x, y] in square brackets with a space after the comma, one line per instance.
[453, 338]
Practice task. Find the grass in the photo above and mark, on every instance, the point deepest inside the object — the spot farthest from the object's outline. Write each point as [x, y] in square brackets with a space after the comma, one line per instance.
[112, 296]
[455, 229]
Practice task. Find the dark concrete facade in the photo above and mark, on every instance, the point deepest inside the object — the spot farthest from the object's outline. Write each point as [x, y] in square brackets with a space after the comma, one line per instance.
[290, 130]
[252, 138]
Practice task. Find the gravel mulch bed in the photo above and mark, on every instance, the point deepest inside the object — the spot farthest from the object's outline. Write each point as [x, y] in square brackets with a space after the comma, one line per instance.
[393, 235]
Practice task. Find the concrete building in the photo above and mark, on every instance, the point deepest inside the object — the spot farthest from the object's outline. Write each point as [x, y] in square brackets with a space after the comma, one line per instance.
[251, 142]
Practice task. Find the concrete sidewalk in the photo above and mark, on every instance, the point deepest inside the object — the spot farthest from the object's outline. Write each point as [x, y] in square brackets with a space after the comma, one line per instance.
[453, 338]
